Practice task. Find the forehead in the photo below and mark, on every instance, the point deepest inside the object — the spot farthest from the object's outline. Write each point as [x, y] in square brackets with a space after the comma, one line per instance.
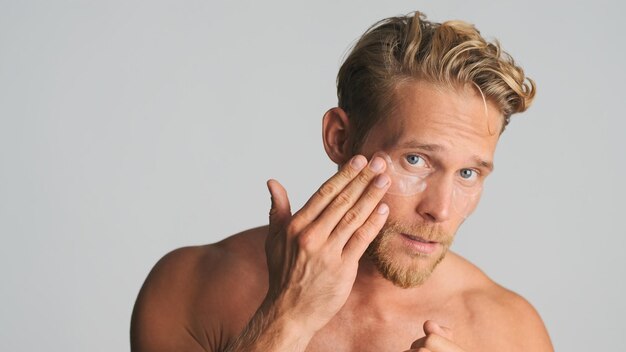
[452, 118]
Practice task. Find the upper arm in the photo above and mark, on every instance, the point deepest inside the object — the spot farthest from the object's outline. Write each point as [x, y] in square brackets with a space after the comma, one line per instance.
[502, 320]
[528, 329]
[162, 318]
[511, 323]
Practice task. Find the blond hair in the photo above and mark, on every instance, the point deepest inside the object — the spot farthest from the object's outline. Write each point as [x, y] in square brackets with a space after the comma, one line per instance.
[401, 49]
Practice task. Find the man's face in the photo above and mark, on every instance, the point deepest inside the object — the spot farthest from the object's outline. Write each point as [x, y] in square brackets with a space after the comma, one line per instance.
[450, 135]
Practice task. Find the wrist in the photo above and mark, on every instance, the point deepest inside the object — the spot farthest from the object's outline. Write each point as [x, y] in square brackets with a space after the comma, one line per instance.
[272, 329]
[289, 325]
[288, 334]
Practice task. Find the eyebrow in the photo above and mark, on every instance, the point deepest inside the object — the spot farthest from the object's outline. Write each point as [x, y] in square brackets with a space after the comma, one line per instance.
[413, 144]
[483, 163]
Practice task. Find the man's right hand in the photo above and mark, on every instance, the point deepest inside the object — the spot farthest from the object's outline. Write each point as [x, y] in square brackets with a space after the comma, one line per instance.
[313, 255]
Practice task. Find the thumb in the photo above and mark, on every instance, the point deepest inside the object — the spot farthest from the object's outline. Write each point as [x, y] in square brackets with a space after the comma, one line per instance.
[430, 327]
[280, 211]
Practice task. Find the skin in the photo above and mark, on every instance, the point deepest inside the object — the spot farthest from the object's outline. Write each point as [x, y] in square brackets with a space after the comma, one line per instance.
[303, 284]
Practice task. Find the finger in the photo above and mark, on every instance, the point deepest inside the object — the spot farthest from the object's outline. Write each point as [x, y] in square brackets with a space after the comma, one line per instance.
[431, 327]
[330, 189]
[345, 200]
[364, 235]
[436, 343]
[360, 212]
[419, 343]
[280, 210]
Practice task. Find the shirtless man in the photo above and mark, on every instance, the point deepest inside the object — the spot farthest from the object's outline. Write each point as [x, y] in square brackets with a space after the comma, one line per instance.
[363, 265]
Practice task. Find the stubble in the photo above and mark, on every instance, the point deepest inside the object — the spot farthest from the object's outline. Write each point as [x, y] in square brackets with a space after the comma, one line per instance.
[415, 268]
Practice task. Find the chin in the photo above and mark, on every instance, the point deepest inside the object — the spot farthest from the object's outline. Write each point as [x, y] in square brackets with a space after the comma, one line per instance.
[408, 256]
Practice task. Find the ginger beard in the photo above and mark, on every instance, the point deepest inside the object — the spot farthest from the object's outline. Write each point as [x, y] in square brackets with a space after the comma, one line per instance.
[402, 268]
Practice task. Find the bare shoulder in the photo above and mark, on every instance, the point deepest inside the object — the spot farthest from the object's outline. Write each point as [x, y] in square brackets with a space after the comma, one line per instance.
[194, 296]
[499, 318]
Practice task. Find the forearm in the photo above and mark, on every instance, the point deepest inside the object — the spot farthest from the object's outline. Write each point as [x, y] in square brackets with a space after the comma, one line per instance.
[269, 331]
[312, 256]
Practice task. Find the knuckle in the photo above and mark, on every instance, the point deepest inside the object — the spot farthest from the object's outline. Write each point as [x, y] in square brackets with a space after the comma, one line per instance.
[351, 217]
[347, 172]
[343, 199]
[363, 178]
[273, 211]
[373, 195]
[373, 224]
[305, 239]
[362, 235]
[294, 226]
[327, 190]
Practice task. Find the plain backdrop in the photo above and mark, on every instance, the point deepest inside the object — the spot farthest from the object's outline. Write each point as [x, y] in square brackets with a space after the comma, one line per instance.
[131, 128]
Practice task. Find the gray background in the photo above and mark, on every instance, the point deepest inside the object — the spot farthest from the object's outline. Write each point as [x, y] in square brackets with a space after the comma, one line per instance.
[130, 128]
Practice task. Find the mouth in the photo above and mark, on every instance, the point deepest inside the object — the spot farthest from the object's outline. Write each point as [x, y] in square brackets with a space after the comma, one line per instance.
[417, 238]
[419, 244]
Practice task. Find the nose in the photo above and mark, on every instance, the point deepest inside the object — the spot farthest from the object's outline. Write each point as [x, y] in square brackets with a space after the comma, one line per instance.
[435, 204]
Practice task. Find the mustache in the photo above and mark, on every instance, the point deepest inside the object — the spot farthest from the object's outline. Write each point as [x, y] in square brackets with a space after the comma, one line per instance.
[424, 231]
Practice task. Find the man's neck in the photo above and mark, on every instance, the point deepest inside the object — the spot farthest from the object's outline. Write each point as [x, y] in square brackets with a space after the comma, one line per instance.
[378, 293]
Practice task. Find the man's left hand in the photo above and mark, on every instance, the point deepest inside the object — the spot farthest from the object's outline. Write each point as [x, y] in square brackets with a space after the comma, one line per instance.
[438, 339]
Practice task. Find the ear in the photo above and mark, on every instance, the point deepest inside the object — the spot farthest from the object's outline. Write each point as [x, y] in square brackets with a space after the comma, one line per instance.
[336, 135]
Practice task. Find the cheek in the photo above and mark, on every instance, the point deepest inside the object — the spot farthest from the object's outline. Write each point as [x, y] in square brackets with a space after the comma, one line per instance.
[402, 207]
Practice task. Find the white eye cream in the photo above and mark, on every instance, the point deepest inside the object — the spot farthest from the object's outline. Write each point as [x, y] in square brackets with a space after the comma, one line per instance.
[403, 182]
[409, 175]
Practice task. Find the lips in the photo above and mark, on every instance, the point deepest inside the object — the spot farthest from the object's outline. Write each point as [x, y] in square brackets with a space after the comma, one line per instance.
[419, 244]
[418, 239]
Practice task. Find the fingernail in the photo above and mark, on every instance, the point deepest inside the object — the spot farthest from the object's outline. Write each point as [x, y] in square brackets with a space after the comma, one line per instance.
[381, 181]
[358, 162]
[382, 209]
[377, 164]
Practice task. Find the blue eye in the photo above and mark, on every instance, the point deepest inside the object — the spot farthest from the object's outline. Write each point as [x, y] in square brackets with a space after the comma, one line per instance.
[414, 159]
[467, 173]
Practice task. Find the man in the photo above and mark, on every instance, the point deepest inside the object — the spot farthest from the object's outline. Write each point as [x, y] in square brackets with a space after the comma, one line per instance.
[364, 265]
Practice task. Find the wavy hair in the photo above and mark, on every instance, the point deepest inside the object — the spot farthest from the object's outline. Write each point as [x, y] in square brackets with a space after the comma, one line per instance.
[401, 49]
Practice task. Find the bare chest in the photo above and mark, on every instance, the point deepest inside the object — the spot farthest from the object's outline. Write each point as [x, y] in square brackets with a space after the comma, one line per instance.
[361, 332]
[364, 338]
